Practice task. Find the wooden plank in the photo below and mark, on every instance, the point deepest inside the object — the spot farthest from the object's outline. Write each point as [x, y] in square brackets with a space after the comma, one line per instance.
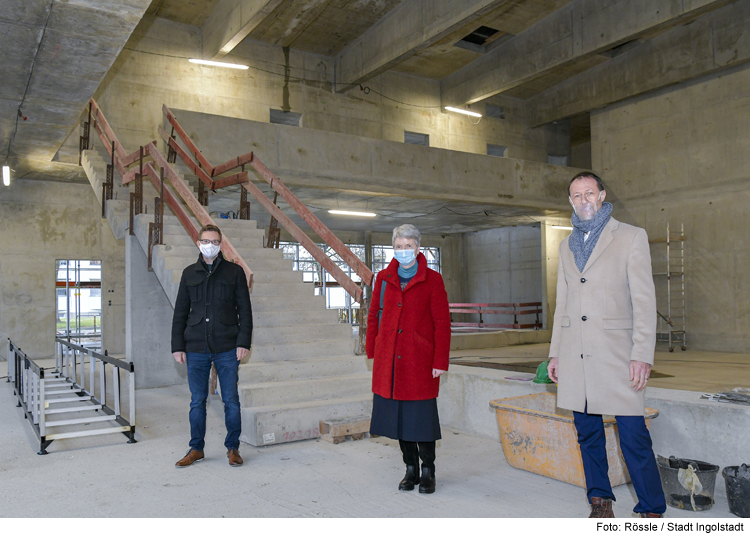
[198, 211]
[235, 163]
[344, 280]
[134, 157]
[187, 140]
[319, 227]
[99, 116]
[231, 180]
[192, 165]
[344, 427]
[108, 147]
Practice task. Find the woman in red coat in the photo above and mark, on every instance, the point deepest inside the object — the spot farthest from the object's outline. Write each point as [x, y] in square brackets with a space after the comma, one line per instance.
[409, 335]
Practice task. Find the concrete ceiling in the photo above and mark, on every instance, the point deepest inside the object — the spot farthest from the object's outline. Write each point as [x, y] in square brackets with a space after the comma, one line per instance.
[436, 217]
[55, 54]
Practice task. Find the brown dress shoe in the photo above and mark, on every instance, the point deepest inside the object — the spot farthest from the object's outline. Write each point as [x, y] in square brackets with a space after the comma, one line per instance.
[650, 515]
[601, 508]
[234, 457]
[191, 457]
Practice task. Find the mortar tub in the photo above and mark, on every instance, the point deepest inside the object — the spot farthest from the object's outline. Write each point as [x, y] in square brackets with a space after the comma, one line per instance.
[539, 437]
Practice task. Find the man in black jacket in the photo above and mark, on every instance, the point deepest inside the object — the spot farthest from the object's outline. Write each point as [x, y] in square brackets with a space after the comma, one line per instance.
[212, 323]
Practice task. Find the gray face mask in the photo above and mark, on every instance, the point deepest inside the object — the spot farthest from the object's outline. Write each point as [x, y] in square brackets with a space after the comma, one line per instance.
[209, 251]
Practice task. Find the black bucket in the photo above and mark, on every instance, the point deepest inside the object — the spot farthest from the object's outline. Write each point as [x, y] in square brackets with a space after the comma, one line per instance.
[688, 484]
[737, 480]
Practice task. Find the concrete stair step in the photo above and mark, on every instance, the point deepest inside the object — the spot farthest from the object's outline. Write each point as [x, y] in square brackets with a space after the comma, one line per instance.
[304, 390]
[286, 350]
[261, 372]
[300, 332]
[281, 303]
[274, 317]
[282, 423]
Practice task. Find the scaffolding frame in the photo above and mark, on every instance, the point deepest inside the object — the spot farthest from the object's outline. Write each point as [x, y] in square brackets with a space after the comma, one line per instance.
[672, 324]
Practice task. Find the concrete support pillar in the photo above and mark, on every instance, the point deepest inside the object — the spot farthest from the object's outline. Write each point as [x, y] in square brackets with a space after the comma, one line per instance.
[148, 318]
[551, 239]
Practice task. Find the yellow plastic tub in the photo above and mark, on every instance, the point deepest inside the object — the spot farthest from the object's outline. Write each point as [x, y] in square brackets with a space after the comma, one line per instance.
[539, 437]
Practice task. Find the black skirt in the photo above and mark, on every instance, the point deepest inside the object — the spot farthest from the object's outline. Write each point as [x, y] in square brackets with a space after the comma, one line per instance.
[408, 420]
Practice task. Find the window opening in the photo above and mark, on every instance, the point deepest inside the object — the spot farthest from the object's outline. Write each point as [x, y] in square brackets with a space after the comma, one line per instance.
[416, 138]
[496, 150]
[78, 286]
[285, 118]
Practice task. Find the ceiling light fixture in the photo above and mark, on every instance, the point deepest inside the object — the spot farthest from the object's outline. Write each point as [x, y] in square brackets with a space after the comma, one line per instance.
[460, 111]
[562, 227]
[352, 213]
[217, 63]
[6, 175]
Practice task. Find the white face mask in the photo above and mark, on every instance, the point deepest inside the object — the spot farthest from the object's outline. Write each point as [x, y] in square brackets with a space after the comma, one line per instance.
[209, 251]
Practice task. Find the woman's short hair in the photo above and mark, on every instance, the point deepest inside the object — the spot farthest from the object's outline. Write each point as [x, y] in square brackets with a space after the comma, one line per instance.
[406, 231]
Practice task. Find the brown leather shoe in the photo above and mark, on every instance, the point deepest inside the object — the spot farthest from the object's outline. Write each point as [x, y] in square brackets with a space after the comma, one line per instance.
[650, 515]
[601, 508]
[191, 457]
[234, 457]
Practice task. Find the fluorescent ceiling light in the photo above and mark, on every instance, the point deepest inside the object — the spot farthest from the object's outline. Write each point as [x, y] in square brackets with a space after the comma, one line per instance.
[562, 227]
[217, 63]
[352, 213]
[6, 175]
[467, 112]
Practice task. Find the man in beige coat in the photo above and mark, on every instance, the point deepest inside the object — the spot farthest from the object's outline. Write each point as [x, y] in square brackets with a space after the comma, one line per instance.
[603, 341]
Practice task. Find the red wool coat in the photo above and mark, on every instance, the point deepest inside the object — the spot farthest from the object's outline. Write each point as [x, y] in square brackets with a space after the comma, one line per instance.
[414, 335]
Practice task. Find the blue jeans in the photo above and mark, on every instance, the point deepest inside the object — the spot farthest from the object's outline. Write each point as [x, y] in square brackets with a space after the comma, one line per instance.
[199, 371]
[635, 443]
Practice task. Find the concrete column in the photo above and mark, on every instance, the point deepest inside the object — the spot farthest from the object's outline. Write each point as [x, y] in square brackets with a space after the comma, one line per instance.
[551, 239]
[148, 318]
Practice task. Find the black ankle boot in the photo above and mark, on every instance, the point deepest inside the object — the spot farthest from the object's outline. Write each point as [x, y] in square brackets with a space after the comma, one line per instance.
[427, 481]
[410, 479]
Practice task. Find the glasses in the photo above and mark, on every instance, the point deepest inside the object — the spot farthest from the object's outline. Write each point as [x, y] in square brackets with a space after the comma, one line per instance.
[209, 241]
[587, 196]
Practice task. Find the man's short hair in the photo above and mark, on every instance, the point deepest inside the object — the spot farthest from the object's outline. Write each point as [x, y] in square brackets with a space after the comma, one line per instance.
[586, 174]
[210, 227]
[406, 231]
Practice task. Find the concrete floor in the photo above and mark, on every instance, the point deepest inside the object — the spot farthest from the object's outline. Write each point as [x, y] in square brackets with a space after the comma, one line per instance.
[700, 371]
[105, 477]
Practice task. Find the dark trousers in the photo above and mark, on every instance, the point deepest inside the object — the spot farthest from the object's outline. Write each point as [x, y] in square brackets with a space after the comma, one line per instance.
[199, 370]
[635, 443]
[413, 451]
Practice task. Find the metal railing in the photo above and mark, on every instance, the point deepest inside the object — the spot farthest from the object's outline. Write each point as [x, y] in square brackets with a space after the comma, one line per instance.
[481, 309]
[71, 388]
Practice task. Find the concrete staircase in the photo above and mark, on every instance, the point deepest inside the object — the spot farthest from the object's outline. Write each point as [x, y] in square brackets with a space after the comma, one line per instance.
[302, 366]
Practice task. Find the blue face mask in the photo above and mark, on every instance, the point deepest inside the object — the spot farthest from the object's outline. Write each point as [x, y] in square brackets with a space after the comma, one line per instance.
[404, 257]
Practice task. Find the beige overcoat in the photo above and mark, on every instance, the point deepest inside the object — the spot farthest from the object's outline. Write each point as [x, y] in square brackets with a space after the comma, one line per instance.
[605, 317]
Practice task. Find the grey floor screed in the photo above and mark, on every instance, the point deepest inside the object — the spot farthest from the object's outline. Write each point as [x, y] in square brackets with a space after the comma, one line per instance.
[106, 477]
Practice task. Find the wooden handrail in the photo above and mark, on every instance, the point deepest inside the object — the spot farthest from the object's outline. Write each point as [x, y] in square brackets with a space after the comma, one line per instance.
[104, 131]
[515, 309]
[203, 166]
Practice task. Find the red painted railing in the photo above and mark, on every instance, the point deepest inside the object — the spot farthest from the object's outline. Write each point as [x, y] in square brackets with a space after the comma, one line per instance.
[148, 170]
[515, 309]
[209, 175]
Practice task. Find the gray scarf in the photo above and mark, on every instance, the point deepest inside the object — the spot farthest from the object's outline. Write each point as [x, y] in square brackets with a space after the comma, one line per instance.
[582, 249]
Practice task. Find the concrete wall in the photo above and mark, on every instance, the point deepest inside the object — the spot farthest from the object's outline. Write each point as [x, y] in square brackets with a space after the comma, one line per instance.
[42, 222]
[679, 156]
[153, 69]
[504, 265]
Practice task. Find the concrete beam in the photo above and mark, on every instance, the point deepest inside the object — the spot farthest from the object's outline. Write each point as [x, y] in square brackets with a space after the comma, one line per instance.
[717, 41]
[582, 29]
[309, 158]
[231, 22]
[408, 29]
